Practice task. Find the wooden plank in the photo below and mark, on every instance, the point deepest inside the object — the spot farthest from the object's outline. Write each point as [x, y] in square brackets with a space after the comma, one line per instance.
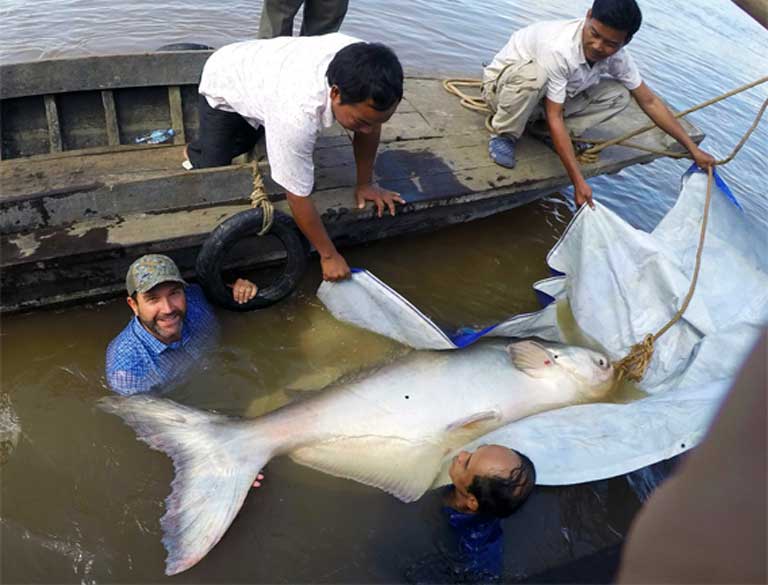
[177, 114]
[54, 128]
[110, 117]
[104, 72]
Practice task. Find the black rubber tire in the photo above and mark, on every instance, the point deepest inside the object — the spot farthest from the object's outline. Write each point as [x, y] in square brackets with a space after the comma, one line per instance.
[185, 47]
[226, 235]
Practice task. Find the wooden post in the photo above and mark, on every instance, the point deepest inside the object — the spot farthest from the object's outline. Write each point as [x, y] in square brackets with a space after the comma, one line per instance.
[110, 117]
[54, 128]
[177, 114]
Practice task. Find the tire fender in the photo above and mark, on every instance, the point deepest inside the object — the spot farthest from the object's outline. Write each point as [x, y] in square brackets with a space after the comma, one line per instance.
[215, 249]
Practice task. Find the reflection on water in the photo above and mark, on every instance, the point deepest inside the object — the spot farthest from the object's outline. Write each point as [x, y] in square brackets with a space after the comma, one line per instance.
[81, 498]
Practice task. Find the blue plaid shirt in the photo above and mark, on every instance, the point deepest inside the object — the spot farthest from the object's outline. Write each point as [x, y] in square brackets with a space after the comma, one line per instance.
[139, 362]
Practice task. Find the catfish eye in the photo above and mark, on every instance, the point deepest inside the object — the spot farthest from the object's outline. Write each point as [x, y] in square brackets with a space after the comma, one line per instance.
[555, 356]
[601, 362]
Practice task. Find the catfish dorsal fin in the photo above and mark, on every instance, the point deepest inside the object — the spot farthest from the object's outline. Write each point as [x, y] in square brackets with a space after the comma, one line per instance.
[531, 358]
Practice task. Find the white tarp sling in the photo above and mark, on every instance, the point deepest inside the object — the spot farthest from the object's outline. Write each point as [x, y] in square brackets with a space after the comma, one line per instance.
[621, 284]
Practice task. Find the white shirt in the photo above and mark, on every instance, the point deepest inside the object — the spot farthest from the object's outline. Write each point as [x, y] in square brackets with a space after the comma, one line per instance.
[281, 84]
[556, 46]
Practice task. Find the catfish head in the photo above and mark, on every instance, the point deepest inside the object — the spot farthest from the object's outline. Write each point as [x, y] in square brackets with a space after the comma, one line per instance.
[590, 370]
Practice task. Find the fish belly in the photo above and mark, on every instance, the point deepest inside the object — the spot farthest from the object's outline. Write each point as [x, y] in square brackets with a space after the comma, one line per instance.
[392, 429]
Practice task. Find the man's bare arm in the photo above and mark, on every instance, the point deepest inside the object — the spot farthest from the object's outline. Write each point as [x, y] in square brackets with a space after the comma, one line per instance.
[657, 111]
[561, 139]
[365, 145]
[311, 225]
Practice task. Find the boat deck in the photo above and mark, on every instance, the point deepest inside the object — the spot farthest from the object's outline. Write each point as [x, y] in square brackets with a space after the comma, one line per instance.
[72, 221]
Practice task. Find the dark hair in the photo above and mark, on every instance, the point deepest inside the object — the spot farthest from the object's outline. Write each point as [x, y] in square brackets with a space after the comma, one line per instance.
[619, 14]
[365, 71]
[500, 496]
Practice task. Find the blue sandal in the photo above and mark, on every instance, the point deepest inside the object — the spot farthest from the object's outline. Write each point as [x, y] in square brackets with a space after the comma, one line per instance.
[502, 151]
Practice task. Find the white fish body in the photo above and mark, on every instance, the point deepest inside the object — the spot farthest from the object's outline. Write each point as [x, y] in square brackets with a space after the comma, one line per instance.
[390, 428]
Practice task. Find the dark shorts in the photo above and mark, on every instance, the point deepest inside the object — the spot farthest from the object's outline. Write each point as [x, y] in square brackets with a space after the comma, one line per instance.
[223, 136]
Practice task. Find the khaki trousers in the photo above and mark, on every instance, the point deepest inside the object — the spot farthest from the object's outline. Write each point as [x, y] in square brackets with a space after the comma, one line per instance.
[516, 98]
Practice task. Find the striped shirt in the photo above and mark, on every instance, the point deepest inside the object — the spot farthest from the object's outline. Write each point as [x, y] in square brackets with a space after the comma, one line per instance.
[139, 362]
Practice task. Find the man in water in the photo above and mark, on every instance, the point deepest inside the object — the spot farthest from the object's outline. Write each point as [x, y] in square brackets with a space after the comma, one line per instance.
[487, 485]
[294, 88]
[173, 326]
[575, 74]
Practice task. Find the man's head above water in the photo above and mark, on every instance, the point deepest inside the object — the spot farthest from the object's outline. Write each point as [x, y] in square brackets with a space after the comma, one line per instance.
[493, 481]
[156, 296]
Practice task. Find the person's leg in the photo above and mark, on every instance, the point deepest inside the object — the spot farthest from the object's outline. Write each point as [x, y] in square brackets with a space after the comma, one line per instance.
[513, 98]
[595, 105]
[323, 16]
[277, 18]
[223, 136]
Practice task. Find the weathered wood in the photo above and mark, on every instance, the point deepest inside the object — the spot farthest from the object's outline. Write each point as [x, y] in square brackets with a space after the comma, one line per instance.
[54, 128]
[102, 72]
[110, 117]
[177, 114]
[70, 222]
[60, 209]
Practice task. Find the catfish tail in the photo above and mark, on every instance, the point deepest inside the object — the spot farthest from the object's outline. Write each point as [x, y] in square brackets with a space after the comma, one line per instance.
[216, 459]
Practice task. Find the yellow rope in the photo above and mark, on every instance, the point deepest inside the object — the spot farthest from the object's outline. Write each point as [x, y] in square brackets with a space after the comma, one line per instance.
[589, 155]
[469, 101]
[259, 198]
[633, 366]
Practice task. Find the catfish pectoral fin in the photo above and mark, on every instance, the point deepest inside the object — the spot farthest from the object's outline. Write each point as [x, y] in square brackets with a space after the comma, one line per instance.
[488, 415]
[402, 467]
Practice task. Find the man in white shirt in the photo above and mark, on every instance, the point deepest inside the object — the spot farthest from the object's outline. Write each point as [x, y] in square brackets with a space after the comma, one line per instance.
[293, 88]
[567, 64]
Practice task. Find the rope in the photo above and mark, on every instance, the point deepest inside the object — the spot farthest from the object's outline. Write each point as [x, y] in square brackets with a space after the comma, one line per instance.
[259, 198]
[634, 365]
[589, 155]
[470, 102]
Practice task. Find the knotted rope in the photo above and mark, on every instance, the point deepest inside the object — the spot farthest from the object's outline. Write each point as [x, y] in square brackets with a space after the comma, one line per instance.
[259, 198]
[633, 366]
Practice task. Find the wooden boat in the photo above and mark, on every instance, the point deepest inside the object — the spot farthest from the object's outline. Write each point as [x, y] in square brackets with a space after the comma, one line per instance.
[79, 200]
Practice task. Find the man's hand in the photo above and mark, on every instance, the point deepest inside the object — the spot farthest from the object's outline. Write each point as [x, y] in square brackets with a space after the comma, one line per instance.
[258, 480]
[703, 159]
[243, 290]
[582, 193]
[379, 196]
[335, 267]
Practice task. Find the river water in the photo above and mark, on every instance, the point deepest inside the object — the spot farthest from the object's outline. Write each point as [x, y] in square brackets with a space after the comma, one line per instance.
[81, 498]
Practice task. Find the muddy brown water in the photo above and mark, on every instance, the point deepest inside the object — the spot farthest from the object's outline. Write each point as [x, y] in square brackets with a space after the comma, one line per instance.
[81, 498]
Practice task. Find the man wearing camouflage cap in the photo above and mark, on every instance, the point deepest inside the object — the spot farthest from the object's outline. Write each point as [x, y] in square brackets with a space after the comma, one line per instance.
[172, 328]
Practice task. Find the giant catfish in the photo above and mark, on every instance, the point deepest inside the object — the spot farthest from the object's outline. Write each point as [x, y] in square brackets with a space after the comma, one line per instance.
[389, 427]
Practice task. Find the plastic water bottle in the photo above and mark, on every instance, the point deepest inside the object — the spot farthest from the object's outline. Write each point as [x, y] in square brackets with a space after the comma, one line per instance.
[156, 137]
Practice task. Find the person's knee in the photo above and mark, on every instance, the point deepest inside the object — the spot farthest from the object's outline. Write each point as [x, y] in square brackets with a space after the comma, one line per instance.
[203, 157]
[529, 77]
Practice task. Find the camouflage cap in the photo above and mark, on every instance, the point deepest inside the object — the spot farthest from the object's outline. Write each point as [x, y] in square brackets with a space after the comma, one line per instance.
[149, 271]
